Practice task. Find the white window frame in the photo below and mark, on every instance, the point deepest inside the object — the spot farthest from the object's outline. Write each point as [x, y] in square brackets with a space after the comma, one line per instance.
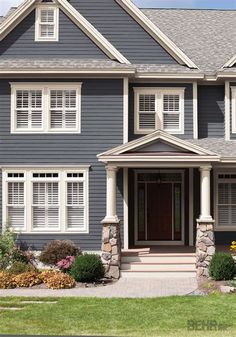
[219, 228]
[38, 37]
[46, 89]
[159, 93]
[62, 193]
[233, 118]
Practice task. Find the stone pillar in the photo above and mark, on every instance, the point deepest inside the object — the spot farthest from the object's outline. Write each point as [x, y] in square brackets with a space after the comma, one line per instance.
[205, 241]
[111, 244]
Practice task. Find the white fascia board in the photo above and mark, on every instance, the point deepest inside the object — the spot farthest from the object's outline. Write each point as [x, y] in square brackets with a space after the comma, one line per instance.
[156, 33]
[156, 135]
[16, 17]
[158, 75]
[159, 159]
[226, 75]
[230, 63]
[92, 32]
[71, 71]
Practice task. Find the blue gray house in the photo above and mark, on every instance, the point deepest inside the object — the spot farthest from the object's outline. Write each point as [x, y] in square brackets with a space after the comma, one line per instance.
[117, 131]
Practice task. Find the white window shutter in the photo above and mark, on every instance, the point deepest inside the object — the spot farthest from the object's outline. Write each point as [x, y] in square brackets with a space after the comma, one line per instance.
[75, 205]
[171, 112]
[29, 109]
[147, 111]
[15, 205]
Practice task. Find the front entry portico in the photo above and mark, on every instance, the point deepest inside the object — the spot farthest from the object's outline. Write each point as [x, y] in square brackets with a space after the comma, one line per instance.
[159, 161]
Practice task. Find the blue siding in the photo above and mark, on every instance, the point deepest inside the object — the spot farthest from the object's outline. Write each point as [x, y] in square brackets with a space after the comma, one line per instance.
[102, 129]
[188, 107]
[123, 31]
[211, 110]
[73, 43]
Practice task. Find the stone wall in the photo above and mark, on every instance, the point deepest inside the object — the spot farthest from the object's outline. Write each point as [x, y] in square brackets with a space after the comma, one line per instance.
[111, 250]
[205, 247]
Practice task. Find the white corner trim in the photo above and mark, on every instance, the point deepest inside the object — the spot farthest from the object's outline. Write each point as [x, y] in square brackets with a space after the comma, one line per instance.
[92, 32]
[126, 110]
[227, 110]
[231, 62]
[233, 90]
[156, 33]
[195, 110]
[126, 208]
[191, 205]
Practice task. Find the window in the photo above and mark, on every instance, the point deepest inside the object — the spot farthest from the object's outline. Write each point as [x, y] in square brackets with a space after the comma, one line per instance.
[226, 201]
[159, 108]
[46, 201]
[47, 107]
[47, 21]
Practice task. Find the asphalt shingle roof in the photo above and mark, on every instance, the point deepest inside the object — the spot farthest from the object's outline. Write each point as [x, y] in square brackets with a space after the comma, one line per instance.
[207, 37]
[220, 146]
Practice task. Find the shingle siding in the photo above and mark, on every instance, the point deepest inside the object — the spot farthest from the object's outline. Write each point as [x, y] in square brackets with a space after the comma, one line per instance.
[102, 128]
[188, 107]
[72, 42]
[122, 31]
[211, 110]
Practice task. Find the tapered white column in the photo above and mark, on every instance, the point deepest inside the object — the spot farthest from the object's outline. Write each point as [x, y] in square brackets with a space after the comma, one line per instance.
[111, 215]
[205, 187]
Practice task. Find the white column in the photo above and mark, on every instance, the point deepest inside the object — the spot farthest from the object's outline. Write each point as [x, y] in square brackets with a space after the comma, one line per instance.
[205, 195]
[111, 216]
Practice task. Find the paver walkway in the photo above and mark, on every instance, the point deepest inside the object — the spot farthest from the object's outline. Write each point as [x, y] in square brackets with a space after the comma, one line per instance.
[124, 288]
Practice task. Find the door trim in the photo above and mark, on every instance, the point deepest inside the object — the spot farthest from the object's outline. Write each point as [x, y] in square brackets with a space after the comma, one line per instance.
[161, 243]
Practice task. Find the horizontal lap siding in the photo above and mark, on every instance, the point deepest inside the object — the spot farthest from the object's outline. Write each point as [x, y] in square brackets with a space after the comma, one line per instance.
[73, 43]
[188, 107]
[102, 129]
[122, 31]
[211, 110]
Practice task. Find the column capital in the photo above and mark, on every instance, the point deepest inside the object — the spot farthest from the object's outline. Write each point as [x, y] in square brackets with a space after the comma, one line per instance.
[111, 168]
[207, 168]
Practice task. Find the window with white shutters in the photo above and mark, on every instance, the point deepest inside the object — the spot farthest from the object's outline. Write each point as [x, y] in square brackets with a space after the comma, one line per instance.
[42, 201]
[226, 201]
[46, 27]
[16, 202]
[159, 108]
[63, 109]
[28, 109]
[45, 108]
[45, 205]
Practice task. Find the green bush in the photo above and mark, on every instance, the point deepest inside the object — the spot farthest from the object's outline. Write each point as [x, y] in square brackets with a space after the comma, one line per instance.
[222, 266]
[7, 247]
[87, 268]
[58, 250]
[19, 267]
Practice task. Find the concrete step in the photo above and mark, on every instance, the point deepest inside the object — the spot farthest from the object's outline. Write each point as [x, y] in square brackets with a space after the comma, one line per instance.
[158, 259]
[139, 266]
[157, 274]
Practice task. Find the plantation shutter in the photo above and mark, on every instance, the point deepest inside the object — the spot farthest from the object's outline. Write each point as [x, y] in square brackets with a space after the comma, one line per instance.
[63, 109]
[45, 205]
[75, 205]
[16, 205]
[171, 112]
[147, 112]
[29, 109]
[227, 204]
[47, 23]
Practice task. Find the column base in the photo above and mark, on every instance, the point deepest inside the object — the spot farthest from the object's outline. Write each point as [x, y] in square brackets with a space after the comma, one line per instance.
[205, 246]
[111, 248]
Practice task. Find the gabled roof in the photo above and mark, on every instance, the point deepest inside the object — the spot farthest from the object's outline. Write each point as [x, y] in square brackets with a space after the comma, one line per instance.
[135, 150]
[206, 36]
[28, 5]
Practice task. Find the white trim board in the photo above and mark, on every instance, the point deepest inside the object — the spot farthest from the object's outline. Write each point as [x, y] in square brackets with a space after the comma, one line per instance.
[28, 5]
[156, 33]
[230, 62]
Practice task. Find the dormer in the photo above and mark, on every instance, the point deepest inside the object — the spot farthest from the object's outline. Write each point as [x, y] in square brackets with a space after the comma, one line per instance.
[47, 21]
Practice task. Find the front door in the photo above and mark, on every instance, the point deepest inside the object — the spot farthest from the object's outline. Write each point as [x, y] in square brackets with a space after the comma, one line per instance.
[159, 207]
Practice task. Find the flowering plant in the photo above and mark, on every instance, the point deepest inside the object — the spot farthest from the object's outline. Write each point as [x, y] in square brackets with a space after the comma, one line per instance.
[233, 247]
[66, 263]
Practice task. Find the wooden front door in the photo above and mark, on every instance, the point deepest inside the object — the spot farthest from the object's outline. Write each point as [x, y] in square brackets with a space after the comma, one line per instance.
[159, 212]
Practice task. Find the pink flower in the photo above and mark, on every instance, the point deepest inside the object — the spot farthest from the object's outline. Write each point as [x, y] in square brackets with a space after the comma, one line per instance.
[66, 263]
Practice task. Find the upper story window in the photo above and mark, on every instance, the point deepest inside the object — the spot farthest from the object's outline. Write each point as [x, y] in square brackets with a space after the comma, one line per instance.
[38, 108]
[47, 22]
[159, 108]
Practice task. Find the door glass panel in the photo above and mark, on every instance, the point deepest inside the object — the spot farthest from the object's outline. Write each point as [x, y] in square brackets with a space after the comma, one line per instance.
[141, 211]
[177, 211]
[160, 177]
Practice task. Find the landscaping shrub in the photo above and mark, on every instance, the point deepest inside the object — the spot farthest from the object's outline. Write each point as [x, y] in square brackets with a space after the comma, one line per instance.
[65, 264]
[45, 275]
[6, 280]
[7, 246]
[27, 279]
[19, 267]
[87, 268]
[58, 250]
[59, 280]
[222, 266]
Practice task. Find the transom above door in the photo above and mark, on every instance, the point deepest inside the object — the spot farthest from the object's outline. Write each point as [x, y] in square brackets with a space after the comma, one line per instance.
[159, 207]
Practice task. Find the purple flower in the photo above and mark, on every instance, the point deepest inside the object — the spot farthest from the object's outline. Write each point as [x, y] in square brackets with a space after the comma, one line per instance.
[66, 263]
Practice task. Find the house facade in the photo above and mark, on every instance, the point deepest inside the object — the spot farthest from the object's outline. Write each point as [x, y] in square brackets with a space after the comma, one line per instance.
[118, 126]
